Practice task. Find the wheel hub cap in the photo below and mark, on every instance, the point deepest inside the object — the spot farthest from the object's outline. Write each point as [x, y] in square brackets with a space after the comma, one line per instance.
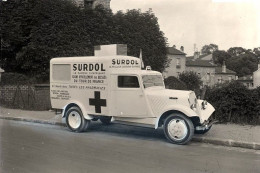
[74, 119]
[177, 129]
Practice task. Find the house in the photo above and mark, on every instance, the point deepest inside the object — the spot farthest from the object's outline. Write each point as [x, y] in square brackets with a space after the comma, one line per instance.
[247, 81]
[92, 3]
[197, 55]
[210, 73]
[222, 74]
[177, 60]
[1, 71]
[205, 69]
[256, 77]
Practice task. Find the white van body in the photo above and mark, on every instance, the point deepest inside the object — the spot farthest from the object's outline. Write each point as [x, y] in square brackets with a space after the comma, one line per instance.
[117, 87]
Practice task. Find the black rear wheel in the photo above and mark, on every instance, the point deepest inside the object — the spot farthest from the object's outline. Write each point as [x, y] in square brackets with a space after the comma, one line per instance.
[75, 120]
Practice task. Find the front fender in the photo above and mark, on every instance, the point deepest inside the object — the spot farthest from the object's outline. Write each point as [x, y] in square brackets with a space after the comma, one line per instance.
[83, 110]
[180, 108]
[205, 113]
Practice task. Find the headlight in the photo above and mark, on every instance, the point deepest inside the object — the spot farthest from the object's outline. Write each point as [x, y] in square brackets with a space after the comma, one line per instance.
[193, 106]
[204, 104]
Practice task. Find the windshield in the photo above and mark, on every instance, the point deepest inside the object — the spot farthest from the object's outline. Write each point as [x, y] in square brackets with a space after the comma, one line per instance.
[152, 80]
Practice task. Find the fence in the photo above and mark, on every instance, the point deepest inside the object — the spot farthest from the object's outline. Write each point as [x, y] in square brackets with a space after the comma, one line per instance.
[29, 97]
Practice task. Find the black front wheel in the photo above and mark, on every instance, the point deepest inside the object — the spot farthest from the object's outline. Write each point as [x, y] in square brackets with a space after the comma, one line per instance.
[178, 129]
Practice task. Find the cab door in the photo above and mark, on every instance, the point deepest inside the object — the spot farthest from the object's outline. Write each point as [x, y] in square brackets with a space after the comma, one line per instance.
[128, 97]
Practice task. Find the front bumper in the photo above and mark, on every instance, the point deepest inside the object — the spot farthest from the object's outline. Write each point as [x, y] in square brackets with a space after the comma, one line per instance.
[206, 125]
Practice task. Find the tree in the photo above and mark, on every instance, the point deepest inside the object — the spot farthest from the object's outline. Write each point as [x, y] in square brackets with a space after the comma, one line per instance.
[57, 32]
[243, 64]
[208, 49]
[13, 32]
[36, 31]
[141, 31]
[191, 79]
[236, 51]
[257, 52]
[219, 56]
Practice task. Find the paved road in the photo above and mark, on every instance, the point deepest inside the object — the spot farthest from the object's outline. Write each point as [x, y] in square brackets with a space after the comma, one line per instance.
[30, 148]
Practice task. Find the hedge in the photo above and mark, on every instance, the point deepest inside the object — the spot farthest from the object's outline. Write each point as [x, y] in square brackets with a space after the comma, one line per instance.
[235, 103]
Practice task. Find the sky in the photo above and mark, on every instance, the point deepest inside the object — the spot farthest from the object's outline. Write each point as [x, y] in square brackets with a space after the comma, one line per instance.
[226, 23]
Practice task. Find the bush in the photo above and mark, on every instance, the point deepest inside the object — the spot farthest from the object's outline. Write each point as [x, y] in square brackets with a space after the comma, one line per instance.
[174, 83]
[235, 103]
[16, 79]
[191, 79]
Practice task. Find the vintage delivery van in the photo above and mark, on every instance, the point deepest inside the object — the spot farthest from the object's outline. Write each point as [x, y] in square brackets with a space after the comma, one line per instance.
[115, 88]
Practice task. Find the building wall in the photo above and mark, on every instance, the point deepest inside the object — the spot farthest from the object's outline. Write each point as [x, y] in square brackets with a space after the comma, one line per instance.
[248, 83]
[256, 78]
[206, 74]
[105, 3]
[222, 78]
[79, 3]
[175, 69]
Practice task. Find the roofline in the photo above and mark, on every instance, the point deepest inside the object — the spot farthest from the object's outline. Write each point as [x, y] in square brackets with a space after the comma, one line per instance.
[201, 66]
[176, 53]
[179, 51]
[246, 80]
[225, 73]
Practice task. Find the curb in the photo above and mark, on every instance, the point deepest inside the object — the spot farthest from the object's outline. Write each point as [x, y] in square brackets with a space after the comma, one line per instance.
[33, 120]
[227, 142]
[215, 141]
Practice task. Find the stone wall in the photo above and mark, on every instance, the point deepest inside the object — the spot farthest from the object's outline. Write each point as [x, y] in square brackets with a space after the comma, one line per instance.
[29, 97]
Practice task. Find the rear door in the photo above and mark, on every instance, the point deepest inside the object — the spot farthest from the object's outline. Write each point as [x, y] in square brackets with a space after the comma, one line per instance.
[128, 96]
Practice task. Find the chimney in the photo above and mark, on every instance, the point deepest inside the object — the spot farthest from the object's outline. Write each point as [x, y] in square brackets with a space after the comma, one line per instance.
[182, 48]
[224, 69]
[196, 55]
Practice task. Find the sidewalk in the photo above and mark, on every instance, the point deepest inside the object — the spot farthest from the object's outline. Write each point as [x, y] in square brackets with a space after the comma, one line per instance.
[220, 134]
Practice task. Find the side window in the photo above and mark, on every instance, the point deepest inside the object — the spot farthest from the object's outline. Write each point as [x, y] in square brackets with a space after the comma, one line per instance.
[127, 82]
[61, 72]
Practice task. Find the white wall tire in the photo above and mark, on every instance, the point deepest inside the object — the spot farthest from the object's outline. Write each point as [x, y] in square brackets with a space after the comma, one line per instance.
[75, 120]
[178, 129]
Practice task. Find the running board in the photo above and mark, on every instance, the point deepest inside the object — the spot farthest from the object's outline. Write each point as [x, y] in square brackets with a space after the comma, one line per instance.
[133, 124]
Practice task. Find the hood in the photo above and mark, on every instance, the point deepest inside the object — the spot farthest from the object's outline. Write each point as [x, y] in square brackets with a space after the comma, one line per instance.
[161, 99]
[154, 91]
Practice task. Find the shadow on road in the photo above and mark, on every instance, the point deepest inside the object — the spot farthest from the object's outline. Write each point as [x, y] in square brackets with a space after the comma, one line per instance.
[128, 130]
